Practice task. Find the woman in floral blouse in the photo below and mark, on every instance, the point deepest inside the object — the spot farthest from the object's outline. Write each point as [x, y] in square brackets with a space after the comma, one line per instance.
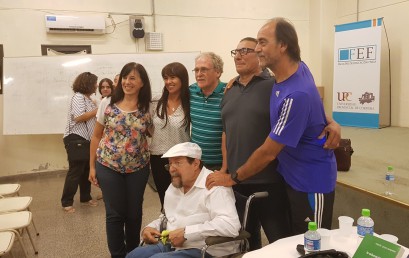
[119, 159]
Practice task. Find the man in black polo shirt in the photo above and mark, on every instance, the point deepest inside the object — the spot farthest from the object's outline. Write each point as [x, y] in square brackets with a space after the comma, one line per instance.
[246, 124]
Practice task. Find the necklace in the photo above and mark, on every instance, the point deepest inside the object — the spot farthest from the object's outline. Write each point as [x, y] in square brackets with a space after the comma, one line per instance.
[171, 107]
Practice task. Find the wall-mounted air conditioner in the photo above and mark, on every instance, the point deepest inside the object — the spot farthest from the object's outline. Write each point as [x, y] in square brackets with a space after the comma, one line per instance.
[75, 24]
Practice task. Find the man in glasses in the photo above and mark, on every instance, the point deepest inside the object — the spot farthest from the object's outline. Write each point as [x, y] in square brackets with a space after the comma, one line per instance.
[246, 124]
[205, 97]
[297, 120]
[192, 212]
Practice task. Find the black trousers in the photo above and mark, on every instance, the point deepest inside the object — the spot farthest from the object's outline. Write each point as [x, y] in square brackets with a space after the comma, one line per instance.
[77, 175]
[271, 213]
[305, 207]
[160, 176]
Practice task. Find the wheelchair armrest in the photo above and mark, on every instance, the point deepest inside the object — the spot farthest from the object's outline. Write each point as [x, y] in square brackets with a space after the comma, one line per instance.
[214, 240]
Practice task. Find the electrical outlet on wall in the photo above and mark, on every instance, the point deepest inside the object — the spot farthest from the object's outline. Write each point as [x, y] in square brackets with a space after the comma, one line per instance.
[136, 27]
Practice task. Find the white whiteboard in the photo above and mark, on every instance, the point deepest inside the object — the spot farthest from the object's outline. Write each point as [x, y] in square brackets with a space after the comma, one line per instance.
[37, 90]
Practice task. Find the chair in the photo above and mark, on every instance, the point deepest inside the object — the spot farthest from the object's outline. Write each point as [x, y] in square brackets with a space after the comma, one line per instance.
[13, 204]
[16, 222]
[9, 189]
[7, 239]
[243, 234]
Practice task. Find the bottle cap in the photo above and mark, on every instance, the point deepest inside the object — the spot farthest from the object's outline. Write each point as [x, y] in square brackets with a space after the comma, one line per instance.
[390, 168]
[312, 225]
[366, 212]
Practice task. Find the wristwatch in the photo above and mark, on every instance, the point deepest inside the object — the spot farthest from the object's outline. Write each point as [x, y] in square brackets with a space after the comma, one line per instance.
[234, 178]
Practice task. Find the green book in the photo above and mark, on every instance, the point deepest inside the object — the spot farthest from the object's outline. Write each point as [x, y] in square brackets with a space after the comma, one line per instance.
[375, 247]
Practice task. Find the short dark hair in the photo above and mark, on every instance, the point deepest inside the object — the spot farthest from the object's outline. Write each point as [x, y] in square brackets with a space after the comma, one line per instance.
[190, 161]
[85, 83]
[110, 83]
[145, 93]
[286, 34]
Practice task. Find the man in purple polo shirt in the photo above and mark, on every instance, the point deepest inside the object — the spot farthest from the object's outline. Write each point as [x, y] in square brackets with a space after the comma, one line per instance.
[297, 119]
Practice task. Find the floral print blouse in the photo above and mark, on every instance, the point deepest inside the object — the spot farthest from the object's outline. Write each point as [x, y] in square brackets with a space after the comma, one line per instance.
[124, 146]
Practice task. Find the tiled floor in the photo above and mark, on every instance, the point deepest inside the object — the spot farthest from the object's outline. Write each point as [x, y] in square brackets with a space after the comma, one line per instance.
[80, 234]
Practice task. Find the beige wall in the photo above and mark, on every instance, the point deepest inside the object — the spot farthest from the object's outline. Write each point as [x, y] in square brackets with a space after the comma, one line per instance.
[395, 17]
[211, 25]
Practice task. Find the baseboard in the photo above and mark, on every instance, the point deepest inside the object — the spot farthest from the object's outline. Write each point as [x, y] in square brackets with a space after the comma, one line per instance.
[31, 176]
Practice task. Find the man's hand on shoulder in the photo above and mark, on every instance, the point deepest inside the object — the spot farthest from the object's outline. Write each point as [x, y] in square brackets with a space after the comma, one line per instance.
[218, 179]
[222, 170]
[150, 235]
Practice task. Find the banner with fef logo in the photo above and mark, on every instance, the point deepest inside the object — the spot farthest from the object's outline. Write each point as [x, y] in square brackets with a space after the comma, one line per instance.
[357, 64]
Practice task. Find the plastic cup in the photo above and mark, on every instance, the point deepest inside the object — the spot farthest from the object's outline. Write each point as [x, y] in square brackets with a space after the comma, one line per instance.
[390, 238]
[345, 225]
[325, 238]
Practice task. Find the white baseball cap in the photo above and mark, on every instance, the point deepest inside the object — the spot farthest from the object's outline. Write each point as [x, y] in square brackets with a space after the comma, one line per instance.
[186, 149]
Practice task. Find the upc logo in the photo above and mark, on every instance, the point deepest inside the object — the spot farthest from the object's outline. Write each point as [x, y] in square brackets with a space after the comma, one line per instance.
[344, 96]
[357, 53]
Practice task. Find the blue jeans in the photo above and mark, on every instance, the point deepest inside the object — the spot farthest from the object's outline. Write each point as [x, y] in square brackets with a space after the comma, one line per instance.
[161, 251]
[123, 197]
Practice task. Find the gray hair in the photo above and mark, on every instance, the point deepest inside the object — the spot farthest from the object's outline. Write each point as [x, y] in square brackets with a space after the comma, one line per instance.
[251, 39]
[216, 60]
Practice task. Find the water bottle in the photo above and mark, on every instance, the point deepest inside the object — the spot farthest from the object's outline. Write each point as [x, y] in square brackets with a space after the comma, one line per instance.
[312, 239]
[389, 181]
[365, 224]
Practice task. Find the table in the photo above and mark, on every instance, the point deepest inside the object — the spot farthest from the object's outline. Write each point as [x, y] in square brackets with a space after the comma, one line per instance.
[286, 247]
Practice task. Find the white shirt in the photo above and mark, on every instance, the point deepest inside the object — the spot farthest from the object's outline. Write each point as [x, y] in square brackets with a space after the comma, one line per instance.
[174, 132]
[79, 105]
[202, 213]
[101, 109]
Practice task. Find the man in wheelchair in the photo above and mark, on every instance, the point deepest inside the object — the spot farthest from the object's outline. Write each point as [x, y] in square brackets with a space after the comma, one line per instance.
[191, 211]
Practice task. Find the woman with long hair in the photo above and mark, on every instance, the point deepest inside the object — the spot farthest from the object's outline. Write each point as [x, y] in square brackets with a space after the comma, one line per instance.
[80, 125]
[171, 120]
[119, 160]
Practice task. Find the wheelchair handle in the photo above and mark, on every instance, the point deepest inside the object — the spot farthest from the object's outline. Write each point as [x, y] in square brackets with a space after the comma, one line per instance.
[251, 197]
[259, 195]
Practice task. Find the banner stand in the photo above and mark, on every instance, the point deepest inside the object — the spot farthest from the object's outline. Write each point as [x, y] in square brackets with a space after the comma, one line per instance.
[361, 81]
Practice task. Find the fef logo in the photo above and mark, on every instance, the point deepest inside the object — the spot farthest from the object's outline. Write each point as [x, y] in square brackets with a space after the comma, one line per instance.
[344, 96]
[357, 53]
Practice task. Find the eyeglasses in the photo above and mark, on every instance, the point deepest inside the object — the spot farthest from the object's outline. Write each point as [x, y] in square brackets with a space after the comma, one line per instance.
[176, 164]
[242, 51]
[201, 70]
